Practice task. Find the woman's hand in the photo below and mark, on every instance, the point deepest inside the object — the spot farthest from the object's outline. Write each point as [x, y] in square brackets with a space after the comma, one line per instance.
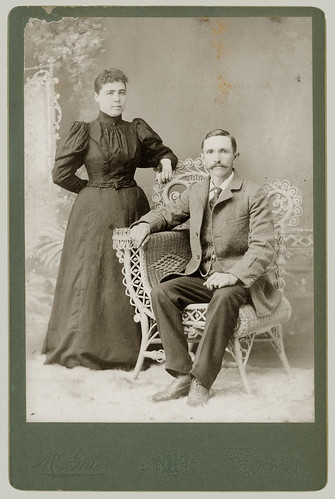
[165, 173]
[220, 280]
[139, 233]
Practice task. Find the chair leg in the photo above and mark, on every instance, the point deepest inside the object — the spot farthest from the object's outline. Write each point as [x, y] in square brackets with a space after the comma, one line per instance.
[241, 366]
[279, 347]
[190, 350]
[144, 343]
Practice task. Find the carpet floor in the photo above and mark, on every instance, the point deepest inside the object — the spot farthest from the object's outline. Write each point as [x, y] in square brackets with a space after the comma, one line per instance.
[58, 394]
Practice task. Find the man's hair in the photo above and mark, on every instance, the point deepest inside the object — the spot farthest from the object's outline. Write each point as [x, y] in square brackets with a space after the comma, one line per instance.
[109, 76]
[224, 133]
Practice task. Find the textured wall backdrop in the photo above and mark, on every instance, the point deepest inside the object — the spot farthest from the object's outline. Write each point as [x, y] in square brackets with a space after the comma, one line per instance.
[252, 76]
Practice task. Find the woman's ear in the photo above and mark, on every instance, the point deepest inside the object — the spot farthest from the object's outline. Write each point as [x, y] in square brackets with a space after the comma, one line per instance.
[96, 96]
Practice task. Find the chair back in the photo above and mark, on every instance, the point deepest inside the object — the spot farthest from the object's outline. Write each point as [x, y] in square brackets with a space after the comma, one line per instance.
[187, 172]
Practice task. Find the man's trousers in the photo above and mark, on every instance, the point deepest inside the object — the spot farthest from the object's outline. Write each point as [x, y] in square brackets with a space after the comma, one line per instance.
[170, 298]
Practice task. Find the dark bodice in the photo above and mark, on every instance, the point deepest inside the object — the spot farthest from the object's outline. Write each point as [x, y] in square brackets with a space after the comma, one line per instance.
[111, 149]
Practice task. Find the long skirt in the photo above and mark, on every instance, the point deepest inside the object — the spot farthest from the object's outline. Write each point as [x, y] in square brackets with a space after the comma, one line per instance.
[91, 322]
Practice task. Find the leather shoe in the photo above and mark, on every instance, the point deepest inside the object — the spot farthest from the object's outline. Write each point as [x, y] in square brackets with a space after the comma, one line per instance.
[179, 387]
[198, 395]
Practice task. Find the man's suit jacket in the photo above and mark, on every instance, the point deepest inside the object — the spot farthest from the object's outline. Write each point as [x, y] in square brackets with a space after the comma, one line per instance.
[243, 234]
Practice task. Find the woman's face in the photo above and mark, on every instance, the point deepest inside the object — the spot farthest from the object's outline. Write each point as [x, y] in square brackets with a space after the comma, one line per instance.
[112, 98]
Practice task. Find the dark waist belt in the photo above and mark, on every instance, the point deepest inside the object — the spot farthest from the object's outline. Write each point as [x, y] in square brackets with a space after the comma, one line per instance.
[115, 184]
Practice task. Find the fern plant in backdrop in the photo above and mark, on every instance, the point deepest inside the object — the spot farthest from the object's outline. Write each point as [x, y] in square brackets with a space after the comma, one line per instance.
[42, 263]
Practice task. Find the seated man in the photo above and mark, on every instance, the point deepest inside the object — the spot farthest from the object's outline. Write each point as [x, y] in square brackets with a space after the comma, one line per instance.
[232, 245]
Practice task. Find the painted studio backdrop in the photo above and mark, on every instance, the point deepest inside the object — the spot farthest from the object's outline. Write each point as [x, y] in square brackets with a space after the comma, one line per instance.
[251, 76]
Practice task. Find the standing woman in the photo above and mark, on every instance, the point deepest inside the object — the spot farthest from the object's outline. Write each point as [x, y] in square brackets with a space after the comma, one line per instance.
[91, 322]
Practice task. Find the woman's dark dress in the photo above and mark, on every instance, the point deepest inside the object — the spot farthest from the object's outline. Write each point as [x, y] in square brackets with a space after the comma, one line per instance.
[91, 322]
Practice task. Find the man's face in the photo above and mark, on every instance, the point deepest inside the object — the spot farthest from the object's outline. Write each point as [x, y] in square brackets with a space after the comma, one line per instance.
[218, 156]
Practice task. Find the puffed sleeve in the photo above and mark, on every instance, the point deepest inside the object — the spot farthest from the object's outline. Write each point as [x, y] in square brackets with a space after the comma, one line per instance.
[69, 157]
[153, 149]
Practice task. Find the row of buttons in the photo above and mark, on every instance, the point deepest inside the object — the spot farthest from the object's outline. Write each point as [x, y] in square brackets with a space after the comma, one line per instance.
[198, 256]
[213, 257]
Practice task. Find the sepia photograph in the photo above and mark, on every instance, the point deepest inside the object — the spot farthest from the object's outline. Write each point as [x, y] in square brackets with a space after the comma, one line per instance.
[167, 248]
[168, 199]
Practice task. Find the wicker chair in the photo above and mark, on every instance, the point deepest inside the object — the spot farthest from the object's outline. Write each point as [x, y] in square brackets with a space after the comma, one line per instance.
[167, 252]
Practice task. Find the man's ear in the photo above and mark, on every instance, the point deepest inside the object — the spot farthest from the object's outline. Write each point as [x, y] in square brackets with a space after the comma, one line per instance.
[236, 156]
[202, 159]
[203, 162]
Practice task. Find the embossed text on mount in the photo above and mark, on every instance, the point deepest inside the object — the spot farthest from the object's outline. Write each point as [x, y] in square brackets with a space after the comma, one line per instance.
[60, 463]
[250, 462]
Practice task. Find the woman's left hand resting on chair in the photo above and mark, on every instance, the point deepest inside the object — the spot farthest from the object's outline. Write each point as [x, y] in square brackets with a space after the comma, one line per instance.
[164, 173]
[139, 233]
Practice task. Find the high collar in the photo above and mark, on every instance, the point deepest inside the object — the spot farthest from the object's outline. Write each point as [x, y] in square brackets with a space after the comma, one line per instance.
[224, 184]
[234, 184]
[202, 188]
[105, 118]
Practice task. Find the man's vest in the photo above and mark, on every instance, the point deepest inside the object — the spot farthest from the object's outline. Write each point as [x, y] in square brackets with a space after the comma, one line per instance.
[209, 263]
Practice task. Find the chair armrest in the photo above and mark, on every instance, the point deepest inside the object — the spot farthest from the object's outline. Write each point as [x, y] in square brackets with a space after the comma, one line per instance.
[164, 253]
[143, 268]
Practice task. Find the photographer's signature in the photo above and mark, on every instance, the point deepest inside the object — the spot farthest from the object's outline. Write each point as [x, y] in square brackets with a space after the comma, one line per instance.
[60, 463]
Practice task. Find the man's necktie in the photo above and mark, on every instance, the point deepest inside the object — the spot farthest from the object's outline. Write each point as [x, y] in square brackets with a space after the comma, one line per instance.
[216, 193]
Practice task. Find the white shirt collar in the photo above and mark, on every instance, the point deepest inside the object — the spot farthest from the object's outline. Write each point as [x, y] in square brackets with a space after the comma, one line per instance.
[222, 186]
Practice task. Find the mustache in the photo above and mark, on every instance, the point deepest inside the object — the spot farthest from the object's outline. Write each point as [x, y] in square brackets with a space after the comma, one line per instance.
[218, 163]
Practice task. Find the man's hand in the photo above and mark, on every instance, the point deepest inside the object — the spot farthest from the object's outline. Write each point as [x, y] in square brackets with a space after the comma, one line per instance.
[165, 173]
[220, 280]
[139, 233]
